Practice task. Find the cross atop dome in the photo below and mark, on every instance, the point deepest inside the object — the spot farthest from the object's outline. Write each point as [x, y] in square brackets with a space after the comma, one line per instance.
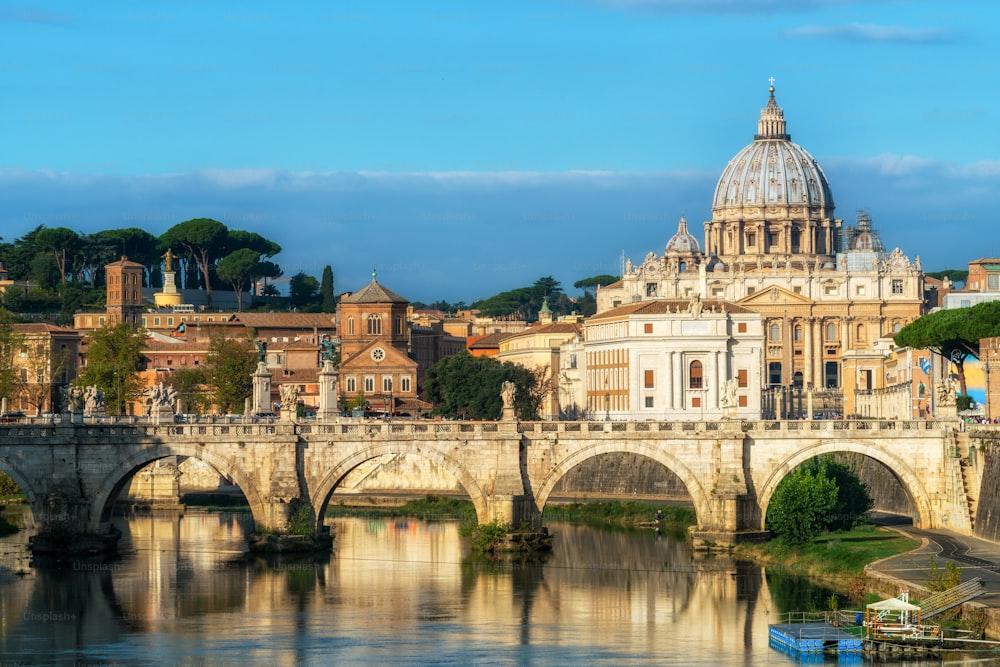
[772, 119]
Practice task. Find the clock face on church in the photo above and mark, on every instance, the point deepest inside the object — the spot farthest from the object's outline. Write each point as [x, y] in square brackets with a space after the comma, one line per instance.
[378, 354]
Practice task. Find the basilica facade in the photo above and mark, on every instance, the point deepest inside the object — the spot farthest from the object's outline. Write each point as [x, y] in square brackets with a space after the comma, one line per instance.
[828, 295]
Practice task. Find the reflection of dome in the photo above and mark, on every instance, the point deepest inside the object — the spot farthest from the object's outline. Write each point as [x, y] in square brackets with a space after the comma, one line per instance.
[682, 242]
[773, 171]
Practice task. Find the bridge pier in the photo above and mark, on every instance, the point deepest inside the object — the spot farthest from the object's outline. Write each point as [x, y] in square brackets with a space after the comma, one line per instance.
[64, 531]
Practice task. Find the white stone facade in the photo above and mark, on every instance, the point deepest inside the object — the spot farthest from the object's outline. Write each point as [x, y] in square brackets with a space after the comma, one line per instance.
[667, 360]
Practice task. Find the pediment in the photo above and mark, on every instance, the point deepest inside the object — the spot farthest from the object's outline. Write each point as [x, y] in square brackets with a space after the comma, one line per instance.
[391, 358]
[773, 296]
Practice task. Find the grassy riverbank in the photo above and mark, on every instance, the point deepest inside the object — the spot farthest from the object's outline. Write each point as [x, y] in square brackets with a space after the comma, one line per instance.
[624, 513]
[430, 507]
[837, 559]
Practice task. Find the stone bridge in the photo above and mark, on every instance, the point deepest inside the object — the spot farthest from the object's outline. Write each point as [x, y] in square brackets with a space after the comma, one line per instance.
[71, 473]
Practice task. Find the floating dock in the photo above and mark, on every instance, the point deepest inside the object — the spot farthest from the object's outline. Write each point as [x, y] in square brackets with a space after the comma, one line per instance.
[814, 638]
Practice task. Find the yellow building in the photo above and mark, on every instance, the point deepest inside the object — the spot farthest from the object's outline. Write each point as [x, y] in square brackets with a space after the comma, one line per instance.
[537, 348]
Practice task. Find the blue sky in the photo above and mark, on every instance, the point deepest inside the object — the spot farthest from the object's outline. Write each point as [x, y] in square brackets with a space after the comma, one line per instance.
[470, 148]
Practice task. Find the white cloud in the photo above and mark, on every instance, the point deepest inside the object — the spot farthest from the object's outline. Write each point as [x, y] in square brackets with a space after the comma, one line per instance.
[463, 235]
[867, 32]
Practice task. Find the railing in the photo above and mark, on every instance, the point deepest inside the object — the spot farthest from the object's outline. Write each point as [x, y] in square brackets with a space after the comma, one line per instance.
[107, 428]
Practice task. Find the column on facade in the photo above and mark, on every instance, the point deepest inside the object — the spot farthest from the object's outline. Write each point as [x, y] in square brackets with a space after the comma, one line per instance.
[808, 377]
[787, 350]
[677, 380]
[845, 334]
[668, 381]
[818, 371]
[711, 376]
[721, 375]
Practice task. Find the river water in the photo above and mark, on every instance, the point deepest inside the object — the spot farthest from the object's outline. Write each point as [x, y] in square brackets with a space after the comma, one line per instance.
[392, 592]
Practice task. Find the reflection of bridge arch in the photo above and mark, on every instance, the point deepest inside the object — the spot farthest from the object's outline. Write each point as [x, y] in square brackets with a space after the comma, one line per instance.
[702, 506]
[34, 503]
[116, 480]
[908, 479]
[332, 479]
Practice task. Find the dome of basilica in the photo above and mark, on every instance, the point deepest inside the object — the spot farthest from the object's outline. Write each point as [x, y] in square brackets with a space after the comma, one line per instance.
[772, 171]
[683, 242]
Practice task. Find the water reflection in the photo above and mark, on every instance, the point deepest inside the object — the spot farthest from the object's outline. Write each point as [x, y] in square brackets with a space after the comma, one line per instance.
[393, 591]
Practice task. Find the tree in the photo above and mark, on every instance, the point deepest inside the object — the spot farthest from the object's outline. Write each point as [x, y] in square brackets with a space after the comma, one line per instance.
[800, 505]
[238, 268]
[303, 290]
[41, 368]
[114, 359]
[10, 346]
[230, 364]
[953, 334]
[63, 244]
[203, 241]
[464, 386]
[136, 244]
[853, 500]
[588, 303]
[328, 301]
[190, 384]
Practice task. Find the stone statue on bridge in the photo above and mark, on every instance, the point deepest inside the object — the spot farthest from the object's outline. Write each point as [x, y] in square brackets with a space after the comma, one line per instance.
[93, 400]
[289, 396]
[162, 398]
[508, 392]
[72, 399]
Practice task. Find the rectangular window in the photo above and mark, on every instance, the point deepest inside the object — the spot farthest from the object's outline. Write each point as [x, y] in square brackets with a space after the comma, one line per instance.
[992, 282]
[742, 378]
[897, 286]
[649, 401]
[830, 290]
[859, 290]
[404, 383]
[742, 401]
[156, 321]
[648, 379]
[351, 385]
[751, 290]
[386, 384]
[369, 383]
[797, 289]
[741, 327]
[647, 327]
[717, 291]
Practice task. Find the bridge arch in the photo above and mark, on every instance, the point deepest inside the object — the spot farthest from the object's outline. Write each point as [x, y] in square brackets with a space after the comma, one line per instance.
[331, 480]
[702, 504]
[112, 484]
[35, 504]
[907, 477]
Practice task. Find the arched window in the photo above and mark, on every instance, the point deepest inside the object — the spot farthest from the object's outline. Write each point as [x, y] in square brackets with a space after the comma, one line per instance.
[831, 331]
[775, 333]
[798, 333]
[350, 326]
[374, 325]
[695, 375]
[861, 333]
[683, 267]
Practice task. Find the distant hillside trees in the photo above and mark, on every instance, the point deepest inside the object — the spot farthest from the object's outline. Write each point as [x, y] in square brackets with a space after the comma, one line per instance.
[525, 302]
[61, 260]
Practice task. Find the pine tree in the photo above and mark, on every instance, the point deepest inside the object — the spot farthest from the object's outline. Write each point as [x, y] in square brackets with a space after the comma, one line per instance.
[329, 301]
